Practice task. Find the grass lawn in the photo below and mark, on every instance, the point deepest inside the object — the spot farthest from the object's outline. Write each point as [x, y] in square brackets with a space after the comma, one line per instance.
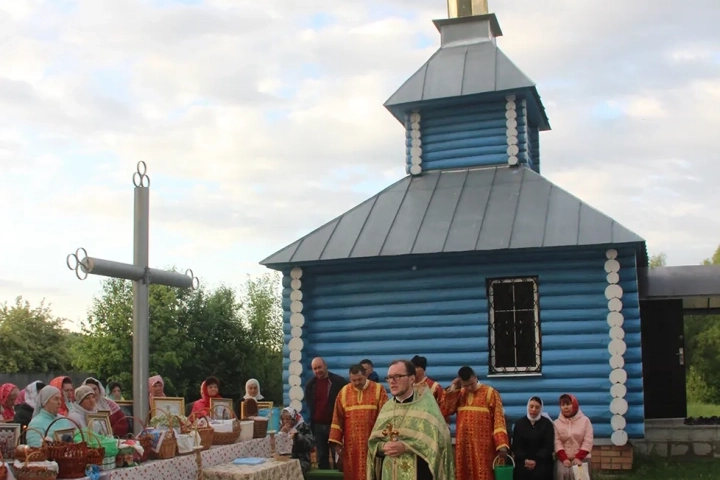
[657, 468]
[703, 410]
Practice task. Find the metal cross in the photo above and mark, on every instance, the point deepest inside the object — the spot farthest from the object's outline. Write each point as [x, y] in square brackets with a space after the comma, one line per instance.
[142, 276]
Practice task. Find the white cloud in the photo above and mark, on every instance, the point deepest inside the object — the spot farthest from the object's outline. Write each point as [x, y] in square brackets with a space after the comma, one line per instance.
[260, 121]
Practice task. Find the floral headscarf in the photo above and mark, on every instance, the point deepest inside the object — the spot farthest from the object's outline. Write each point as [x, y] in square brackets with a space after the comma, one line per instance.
[8, 410]
[28, 395]
[294, 416]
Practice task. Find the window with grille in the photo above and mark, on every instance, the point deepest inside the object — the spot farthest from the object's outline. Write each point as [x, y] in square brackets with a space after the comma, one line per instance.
[514, 325]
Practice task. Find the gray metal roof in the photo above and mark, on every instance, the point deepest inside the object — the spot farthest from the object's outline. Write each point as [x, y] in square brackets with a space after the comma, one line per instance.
[464, 210]
[467, 63]
[680, 282]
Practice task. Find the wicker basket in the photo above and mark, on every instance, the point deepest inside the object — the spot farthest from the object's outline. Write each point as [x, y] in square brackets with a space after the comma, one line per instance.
[207, 433]
[95, 455]
[143, 437]
[169, 444]
[228, 438]
[260, 427]
[72, 458]
[28, 472]
[41, 451]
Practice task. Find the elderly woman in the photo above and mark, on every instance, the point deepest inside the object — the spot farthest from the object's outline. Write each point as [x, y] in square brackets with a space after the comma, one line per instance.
[252, 390]
[47, 406]
[84, 404]
[156, 387]
[117, 416]
[573, 438]
[25, 403]
[292, 424]
[210, 388]
[8, 395]
[533, 442]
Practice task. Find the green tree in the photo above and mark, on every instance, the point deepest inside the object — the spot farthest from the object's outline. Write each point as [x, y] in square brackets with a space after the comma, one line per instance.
[32, 340]
[262, 313]
[659, 260]
[702, 344]
[193, 334]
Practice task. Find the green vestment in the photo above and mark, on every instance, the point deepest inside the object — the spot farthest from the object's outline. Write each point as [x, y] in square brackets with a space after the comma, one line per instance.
[422, 428]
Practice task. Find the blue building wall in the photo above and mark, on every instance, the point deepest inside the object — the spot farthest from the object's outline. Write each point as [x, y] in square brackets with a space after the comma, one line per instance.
[389, 310]
[466, 136]
[534, 146]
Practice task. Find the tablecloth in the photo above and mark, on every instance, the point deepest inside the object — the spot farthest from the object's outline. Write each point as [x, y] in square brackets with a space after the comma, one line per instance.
[185, 467]
[270, 470]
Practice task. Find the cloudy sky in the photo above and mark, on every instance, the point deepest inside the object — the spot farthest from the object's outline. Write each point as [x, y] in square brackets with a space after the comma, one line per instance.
[259, 121]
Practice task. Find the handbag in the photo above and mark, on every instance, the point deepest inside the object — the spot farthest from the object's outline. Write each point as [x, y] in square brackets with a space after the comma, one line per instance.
[581, 472]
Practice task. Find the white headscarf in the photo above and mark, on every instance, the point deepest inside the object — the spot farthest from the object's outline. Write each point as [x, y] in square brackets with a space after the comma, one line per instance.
[29, 394]
[541, 413]
[43, 397]
[247, 395]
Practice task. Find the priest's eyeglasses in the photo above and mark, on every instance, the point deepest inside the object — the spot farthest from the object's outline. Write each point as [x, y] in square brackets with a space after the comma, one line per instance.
[395, 378]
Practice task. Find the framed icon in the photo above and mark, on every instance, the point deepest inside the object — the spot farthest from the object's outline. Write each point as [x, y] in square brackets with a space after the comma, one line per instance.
[221, 408]
[9, 434]
[99, 423]
[171, 405]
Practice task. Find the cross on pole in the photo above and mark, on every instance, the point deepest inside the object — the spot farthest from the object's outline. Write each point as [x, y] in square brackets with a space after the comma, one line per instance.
[142, 276]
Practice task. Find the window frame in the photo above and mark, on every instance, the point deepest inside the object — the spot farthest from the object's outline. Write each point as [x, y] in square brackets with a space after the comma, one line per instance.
[514, 371]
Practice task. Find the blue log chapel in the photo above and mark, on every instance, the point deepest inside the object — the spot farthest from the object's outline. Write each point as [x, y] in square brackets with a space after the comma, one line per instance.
[474, 258]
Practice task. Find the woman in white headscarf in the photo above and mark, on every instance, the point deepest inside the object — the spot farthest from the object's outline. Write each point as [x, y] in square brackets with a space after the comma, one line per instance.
[47, 406]
[292, 424]
[25, 403]
[252, 390]
[533, 443]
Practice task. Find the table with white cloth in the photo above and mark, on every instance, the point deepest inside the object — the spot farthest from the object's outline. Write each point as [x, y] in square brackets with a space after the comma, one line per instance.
[269, 470]
[186, 468]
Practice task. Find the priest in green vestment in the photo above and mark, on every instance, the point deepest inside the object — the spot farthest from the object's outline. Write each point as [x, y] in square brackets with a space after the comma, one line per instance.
[410, 439]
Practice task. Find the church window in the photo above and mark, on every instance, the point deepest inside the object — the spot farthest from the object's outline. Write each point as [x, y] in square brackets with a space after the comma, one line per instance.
[514, 326]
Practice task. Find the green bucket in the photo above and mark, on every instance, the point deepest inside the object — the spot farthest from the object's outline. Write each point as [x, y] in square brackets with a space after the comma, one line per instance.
[503, 472]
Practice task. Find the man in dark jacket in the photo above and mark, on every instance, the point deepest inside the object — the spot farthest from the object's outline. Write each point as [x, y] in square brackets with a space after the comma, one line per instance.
[320, 394]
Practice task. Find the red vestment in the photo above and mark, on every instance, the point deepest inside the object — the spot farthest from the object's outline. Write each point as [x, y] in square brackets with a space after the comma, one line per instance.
[353, 420]
[435, 388]
[480, 430]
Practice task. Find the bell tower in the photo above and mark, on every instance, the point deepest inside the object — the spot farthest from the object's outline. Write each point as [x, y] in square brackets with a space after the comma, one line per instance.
[469, 105]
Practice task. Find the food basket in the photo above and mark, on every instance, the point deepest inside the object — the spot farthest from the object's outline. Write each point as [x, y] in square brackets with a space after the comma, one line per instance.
[21, 451]
[206, 432]
[143, 437]
[227, 438]
[72, 458]
[32, 472]
[169, 444]
[95, 454]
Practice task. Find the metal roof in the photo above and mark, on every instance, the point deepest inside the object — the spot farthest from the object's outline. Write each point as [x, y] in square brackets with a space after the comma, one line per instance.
[463, 210]
[697, 285]
[467, 63]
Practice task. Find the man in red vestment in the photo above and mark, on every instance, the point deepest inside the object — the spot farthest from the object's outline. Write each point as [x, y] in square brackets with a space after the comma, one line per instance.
[424, 383]
[356, 409]
[480, 432]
